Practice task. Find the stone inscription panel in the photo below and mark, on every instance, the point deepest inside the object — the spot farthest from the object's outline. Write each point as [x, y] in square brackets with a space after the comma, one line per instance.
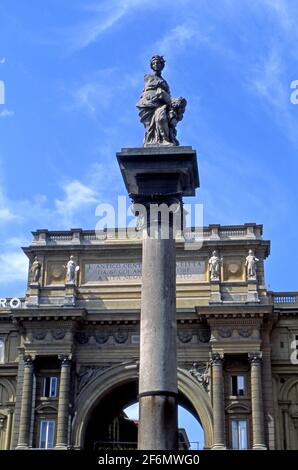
[104, 272]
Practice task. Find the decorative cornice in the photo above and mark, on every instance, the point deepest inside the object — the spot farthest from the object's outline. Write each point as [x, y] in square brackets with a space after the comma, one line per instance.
[48, 314]
[233, 311]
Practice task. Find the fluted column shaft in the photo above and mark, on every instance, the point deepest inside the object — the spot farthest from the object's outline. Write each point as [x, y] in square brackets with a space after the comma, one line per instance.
[218, 402]
[257, 401]
[63, 403]
[26, 406]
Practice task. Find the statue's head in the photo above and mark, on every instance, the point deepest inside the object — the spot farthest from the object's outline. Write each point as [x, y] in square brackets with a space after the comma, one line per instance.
[157, 63]
[250, 252]
[71, 257]
[214, 253]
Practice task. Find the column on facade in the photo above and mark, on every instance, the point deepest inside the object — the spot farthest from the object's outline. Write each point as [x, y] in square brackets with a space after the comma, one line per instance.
[255, 360]
[26, 406]
[267, 387]
[219, 440]
[8, 430]
[63, 402]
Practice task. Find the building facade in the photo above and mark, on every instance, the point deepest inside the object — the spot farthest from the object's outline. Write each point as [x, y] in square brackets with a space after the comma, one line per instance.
[69, 349]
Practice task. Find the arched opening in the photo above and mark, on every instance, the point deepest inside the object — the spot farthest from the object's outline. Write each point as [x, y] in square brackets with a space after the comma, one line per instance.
[119, 381]
[113, 423]
[108, 426]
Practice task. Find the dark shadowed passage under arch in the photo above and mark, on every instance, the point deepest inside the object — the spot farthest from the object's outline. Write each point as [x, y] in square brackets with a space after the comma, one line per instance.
[112, 425]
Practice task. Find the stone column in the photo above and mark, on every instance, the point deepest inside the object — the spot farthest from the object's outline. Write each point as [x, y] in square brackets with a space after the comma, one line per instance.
[8, 430]
[63, 403]
[158, 388]
[26, 406]
[257, 401]
[158, 176]
[218, 402]
[267, 386]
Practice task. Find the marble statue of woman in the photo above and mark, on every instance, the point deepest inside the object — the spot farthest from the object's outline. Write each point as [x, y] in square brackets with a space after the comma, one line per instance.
[35, 270]
[71, 271]
[157, 110]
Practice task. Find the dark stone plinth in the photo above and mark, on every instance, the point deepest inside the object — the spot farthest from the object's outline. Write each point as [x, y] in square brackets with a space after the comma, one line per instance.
[159, 171]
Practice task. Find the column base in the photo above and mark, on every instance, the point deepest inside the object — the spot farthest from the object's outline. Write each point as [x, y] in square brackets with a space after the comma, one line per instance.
[61, 447]
[22, 447]
[219, 447]
[259, 447]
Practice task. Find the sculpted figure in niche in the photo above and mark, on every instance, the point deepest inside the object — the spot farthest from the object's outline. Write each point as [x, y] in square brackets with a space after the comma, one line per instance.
[214, 266]
[71, 270]
[35, 270]
[251, 265]
[158, 111]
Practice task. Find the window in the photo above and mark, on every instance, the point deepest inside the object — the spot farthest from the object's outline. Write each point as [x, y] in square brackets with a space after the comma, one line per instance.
[238, 388]
[49, 388]
[1, 351]
[46, 434]
[239, 434]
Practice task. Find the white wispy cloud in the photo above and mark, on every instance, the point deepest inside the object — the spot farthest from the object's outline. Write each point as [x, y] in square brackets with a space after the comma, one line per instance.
[16, 242]
[6, 113]
[266, 80]
[14, 266]
[6, 215]
[6, 212]
[2, 60]
[95, 93]
[77, 196]
[99, 91]
[284, 11]
[103, 16]
[269, 81]
[179, 37]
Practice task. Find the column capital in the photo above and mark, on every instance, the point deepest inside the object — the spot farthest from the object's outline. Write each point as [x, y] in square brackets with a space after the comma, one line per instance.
[65, 359]
[255, 357]
[216, 358]
[28, 360]
[164, 212]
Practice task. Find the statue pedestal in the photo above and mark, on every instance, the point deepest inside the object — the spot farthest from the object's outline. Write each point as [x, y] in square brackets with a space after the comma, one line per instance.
[215, 295]
[70, 295]
[158, 178]
[252, 291]
[33, 294]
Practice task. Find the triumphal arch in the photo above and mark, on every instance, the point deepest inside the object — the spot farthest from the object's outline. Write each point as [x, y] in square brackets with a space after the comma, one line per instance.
[69, 351]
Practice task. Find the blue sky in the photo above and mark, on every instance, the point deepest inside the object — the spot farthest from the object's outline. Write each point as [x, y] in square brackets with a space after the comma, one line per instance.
[185, 421]
[73, 72]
